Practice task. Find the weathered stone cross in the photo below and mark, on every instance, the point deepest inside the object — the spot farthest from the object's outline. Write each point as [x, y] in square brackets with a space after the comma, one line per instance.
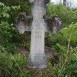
[37, 24]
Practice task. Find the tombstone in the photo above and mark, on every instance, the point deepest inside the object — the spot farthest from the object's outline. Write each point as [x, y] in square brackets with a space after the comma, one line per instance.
[38, 24]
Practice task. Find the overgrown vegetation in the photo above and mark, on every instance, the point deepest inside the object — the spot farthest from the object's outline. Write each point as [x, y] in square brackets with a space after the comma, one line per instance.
[13, 64]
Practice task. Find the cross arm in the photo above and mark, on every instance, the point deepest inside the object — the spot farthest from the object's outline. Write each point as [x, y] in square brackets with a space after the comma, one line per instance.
[23, 23]
[54, 24]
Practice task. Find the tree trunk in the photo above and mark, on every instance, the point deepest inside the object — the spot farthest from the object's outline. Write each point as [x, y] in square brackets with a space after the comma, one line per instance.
[64, 2]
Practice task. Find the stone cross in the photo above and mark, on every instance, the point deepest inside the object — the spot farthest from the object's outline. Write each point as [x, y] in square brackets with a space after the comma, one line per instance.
[38, 24]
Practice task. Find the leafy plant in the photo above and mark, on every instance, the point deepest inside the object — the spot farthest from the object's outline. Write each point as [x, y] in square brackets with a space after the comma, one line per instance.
[12, 65]
[66, 66]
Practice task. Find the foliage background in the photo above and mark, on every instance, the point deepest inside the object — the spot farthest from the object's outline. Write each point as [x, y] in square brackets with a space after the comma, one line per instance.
[12, 63]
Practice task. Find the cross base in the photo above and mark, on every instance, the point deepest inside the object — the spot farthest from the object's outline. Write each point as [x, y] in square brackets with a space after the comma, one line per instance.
[37, 62]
